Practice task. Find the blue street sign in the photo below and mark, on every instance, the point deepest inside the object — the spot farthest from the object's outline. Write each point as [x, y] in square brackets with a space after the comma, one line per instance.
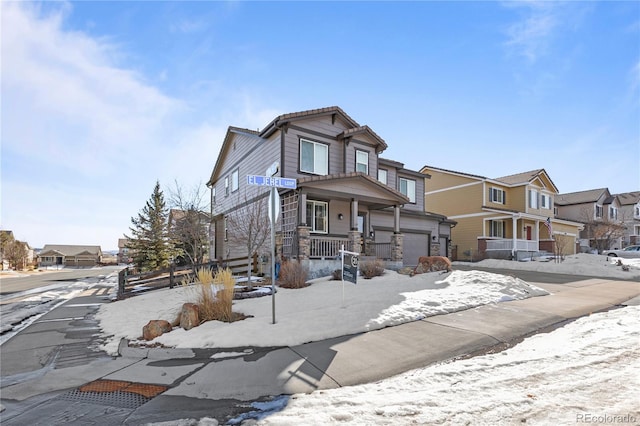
[277, 182]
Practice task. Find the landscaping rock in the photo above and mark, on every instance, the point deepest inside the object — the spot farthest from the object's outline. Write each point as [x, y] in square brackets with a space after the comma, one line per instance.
[189, 316]
[155, 328]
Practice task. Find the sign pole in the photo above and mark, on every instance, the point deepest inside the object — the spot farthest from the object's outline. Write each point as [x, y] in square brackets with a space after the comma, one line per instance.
[342, 270]
[272, 200]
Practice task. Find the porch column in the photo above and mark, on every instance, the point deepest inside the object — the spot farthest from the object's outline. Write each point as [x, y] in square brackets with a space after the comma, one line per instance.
[354, 214]
[304, 242]
[514, 237]
[396, 219]
[302, 209]
[397, 247]
[354, 241]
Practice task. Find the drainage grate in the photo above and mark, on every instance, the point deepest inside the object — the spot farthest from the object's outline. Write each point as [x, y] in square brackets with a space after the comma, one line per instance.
[114, 393]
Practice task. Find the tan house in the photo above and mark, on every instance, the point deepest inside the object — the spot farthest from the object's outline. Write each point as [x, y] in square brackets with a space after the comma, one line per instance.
[345, 194]
[506, 217]
[69, 255]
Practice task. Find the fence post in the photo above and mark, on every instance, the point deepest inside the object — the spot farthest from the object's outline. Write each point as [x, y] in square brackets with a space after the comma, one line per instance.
[172, 267]
[122, 282]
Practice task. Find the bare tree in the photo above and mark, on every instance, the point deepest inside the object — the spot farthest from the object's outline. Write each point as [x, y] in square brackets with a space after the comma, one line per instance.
[601, 232]
[189, 223]
[249, 227]
[16, 253]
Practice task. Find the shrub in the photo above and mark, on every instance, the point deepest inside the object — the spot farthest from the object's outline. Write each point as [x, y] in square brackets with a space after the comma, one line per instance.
[292, 275]
[337, 275]
[215, 295]
[372, 268]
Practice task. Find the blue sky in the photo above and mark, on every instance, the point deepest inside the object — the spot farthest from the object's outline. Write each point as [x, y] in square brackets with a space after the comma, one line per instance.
[101, 99]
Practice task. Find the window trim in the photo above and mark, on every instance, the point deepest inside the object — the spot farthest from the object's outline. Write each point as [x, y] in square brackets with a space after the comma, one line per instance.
[545, 201]
[312, 225]
[315, 145]
[599, 211]
[533, 199]
[500, 229]
[497, 195]
[400, 179]
[226, 186]
[366, 165]
[235, 180]
[386, 176]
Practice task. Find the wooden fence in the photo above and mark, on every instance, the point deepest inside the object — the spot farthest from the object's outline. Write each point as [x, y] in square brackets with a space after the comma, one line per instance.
[131, 283]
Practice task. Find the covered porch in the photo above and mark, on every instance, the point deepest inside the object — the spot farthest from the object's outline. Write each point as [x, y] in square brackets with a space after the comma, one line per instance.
[508, 233]
[326, 213]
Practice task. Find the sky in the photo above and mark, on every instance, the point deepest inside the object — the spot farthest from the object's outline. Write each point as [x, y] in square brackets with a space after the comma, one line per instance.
[102, 99]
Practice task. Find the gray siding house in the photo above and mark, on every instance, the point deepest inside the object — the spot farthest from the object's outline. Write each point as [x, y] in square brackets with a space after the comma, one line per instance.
[69, 255]
[346, 193]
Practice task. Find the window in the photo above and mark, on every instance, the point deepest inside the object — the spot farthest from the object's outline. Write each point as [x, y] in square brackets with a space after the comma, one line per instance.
[226, 186]
[496, 228]
[533, 199]
[408, 188]
[226, 229]
[314, 157]
[599, 211]
[613, 213]
[234, 180]
[382, 176]
[362, 162]
[317, 216]
[497, 195]
[545, 201]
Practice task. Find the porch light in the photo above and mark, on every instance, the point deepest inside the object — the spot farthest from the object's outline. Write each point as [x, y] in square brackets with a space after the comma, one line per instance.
[340, 216]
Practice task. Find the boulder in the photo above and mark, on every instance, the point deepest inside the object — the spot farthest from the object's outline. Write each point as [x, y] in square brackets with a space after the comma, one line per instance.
[189, 316]
[432, 264]
[155, 328]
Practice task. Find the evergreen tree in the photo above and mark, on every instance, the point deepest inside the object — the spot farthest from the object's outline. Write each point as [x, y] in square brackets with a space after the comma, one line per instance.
[150, 245]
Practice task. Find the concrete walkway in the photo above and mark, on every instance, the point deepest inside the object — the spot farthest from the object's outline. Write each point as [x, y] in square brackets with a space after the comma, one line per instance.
[50, 377]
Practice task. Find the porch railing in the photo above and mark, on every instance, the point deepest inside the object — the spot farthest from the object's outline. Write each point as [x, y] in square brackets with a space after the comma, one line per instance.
[326, 247]
[507, 244]
[382, 250]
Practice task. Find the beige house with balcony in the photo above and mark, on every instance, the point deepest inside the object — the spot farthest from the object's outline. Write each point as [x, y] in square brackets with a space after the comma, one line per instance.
[507, 217]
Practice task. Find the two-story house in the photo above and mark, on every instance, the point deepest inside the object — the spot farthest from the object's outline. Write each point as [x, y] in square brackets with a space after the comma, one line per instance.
[599, 211]
[505, 217]
[346, 195]
[629, 214]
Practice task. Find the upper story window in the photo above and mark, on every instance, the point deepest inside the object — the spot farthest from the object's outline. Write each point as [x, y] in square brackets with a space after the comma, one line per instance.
[317, 216]
[314, 157]
[362, 162]
[213, 196]
[226, 186]
[599, 211]
[533, 199]
[545, 201]
[613, 213]
[408, 188]
[382, 176]
[497, 195]
[636, 213]
[234, 180]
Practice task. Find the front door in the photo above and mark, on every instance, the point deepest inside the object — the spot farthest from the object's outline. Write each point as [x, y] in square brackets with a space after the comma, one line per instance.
[528, 231]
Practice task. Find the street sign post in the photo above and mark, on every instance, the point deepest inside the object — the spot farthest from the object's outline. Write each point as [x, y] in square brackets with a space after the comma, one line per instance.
[273, 182]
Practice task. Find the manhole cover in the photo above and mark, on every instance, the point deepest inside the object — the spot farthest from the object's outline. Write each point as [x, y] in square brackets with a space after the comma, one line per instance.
[114, 393]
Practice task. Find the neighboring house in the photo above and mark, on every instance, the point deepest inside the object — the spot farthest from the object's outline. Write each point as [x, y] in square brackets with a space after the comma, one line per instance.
[504, 217]
[346, 194]
[124, 253]
[599, 211]
[630, 215]
[69, 255]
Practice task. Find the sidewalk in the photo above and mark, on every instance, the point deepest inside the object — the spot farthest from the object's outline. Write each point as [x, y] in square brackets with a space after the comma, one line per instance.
[154, 385]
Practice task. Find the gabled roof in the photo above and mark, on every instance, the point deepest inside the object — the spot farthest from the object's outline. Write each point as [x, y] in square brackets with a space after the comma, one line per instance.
[581, 197]
[295, 116]
[510, 180]
[70, 250]
[366, 130]
[629, 198]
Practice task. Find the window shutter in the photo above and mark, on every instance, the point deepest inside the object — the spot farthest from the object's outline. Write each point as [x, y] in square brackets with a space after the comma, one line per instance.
[504, 197]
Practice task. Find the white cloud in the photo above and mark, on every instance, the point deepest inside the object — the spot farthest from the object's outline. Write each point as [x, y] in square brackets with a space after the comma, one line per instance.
[530, 36]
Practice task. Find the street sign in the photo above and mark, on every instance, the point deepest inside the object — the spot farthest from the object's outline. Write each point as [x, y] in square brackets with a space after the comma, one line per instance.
[274, 182]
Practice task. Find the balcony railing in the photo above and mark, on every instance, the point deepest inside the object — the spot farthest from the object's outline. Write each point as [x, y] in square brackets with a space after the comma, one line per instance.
[507, 244]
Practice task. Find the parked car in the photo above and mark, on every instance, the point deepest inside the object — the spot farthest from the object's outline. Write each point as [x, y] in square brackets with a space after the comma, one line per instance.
[627, 252]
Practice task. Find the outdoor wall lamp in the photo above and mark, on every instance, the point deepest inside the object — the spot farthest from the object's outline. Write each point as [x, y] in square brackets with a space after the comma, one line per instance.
[340, 216]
